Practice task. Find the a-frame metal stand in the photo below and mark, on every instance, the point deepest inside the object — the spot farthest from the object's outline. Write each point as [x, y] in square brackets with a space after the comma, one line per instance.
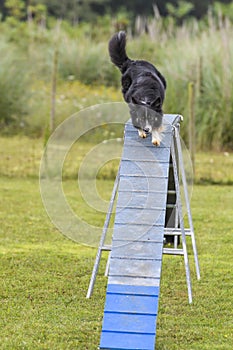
[174, 223]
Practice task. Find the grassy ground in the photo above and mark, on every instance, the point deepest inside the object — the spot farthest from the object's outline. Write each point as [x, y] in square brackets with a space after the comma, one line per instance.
[20, 157]
[45, 276]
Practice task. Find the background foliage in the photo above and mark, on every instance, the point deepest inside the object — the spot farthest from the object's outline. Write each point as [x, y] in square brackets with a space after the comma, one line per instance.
[184, 48]
[76, 10]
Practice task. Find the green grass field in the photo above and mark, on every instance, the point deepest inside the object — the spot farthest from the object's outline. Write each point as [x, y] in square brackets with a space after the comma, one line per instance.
[20, 157]
[45, 276]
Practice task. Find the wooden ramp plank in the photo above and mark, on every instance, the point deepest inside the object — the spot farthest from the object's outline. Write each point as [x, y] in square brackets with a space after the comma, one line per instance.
[147, 154]
[135, 267]
[153, 233]
[135, 281]
[127, 341]
[141, 200]
[141, 217]
[129, 289]
[131, 306]
[129, 323]
[134, 304]
[143, 168]
[135, 250]
[142, 184]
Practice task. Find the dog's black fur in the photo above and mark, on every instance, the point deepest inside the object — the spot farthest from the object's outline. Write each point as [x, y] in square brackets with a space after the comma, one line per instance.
[143, 88]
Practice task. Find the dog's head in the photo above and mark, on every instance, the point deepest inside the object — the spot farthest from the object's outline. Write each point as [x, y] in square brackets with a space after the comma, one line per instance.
[145, 118]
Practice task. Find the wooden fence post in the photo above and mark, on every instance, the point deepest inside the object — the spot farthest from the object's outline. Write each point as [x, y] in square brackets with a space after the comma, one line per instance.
[192, 131]
[54, 78]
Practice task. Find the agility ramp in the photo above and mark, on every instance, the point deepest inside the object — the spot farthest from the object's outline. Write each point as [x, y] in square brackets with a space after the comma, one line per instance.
[135, 264]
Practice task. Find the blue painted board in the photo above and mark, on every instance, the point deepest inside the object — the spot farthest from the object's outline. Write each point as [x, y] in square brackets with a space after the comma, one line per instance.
[135, 268]
[136, 250]
[140, 216]
[132, 280]
[135, 183]
[153, 233]
[171, 119]
[127, 341]
[146, 154]
[128, 303]
[148, 169]
[142, 199]
[128, 323]
[135, 290]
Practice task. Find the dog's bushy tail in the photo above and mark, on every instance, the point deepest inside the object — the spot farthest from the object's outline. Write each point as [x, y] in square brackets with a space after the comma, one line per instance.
[117, 51]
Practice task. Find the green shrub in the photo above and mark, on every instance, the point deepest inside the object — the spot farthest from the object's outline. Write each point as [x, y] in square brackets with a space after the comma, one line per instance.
[14, 87]
[195, 52]
[203, 57]
[86, 61]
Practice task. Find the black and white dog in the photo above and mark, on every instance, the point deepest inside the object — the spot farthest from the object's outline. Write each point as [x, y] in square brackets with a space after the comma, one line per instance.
[143, 88]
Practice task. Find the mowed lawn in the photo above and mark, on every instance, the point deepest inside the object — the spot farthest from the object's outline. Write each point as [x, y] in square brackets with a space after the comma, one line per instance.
[45, 276]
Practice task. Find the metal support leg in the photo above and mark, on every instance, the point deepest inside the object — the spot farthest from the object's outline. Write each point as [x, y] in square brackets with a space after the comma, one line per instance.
[183, 176]
[107, 265]
[176, 226]
[102, 240]
[179, 206]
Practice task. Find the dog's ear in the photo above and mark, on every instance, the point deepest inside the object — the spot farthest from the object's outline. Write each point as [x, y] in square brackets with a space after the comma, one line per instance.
[157, 103]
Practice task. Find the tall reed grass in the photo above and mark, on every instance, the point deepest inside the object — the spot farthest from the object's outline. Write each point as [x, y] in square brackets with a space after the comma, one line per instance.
[196, 52]
[13, 86]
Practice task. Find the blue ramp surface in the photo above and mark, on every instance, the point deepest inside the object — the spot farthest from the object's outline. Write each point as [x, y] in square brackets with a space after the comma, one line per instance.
[131, 305]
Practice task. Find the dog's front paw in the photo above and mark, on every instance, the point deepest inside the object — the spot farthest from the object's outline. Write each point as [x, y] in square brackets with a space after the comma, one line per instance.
[142, 133]
[156, 137]
[156, 142]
